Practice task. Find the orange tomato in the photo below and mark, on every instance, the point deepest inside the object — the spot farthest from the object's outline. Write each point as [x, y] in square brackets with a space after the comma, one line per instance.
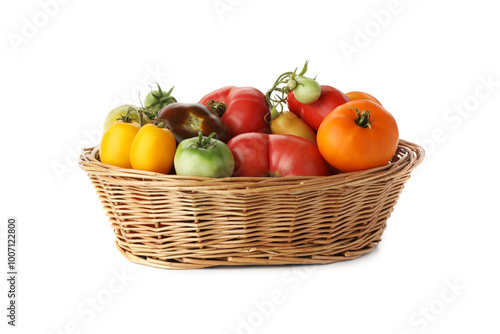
[358, 135]
[356, 95]
[287, 123]
[153, 149]
[116, 142]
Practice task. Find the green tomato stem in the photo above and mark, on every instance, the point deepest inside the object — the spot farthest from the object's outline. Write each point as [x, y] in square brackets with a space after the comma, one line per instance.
[205, 142]
[304, 69]
[139, 113]
[159, 89]
[210, 136]
[126, 118]
[274, 113]
[161, 98]
[363, 118]
[286, 79]
[152, 113]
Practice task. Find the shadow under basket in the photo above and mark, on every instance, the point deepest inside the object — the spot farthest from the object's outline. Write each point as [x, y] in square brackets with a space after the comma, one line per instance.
[179, 222]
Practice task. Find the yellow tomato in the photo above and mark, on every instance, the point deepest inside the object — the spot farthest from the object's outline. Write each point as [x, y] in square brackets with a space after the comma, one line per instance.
[153, 149]
[287, 123]
[116, 142]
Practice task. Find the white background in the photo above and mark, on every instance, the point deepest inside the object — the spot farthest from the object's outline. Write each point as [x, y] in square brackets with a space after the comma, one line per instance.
[425, 61]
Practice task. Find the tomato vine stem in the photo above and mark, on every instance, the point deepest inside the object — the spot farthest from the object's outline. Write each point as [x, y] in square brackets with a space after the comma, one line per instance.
[283, 85]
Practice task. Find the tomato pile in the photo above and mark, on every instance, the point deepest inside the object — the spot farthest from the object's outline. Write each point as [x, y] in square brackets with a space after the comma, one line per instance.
[297, 128]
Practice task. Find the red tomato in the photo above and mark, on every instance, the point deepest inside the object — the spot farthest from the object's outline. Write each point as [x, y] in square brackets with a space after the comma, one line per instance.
[260, 154]
[314, 113]
[245, 109]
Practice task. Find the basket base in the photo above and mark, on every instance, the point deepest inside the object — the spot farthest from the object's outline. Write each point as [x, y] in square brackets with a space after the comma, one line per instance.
[193, 263]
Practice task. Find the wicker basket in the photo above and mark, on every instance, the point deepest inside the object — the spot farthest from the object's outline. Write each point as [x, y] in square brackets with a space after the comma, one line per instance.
[177, 222]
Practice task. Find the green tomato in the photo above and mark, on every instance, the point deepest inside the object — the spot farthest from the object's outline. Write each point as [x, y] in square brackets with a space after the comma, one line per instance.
[158, 98]
[307, 90]
[121, 111]
[204, 157]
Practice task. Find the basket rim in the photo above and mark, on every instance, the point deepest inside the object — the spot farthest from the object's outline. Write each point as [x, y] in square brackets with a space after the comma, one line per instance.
[407, 157]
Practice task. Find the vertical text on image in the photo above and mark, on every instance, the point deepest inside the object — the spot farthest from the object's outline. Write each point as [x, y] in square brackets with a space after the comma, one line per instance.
[12, 272]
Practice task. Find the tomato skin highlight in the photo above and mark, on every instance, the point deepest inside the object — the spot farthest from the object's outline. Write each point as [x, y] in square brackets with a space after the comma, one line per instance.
[277, 155]
[153, 149]
[357, 95]
[246, 109]
[314, 113]
[116, 143]
[349, 147]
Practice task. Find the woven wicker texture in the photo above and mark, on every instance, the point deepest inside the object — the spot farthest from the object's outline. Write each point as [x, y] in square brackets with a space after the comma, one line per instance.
[177, 222]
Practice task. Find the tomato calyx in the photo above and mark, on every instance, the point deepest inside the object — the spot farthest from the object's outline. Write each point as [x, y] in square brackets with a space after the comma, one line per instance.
[217, 107]
[272, 115]
[205, 142]
[273, 174]
[162, 125]
[363, 118]
[160, 98]
[127, 119]
[151, 113]
[277, 173]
